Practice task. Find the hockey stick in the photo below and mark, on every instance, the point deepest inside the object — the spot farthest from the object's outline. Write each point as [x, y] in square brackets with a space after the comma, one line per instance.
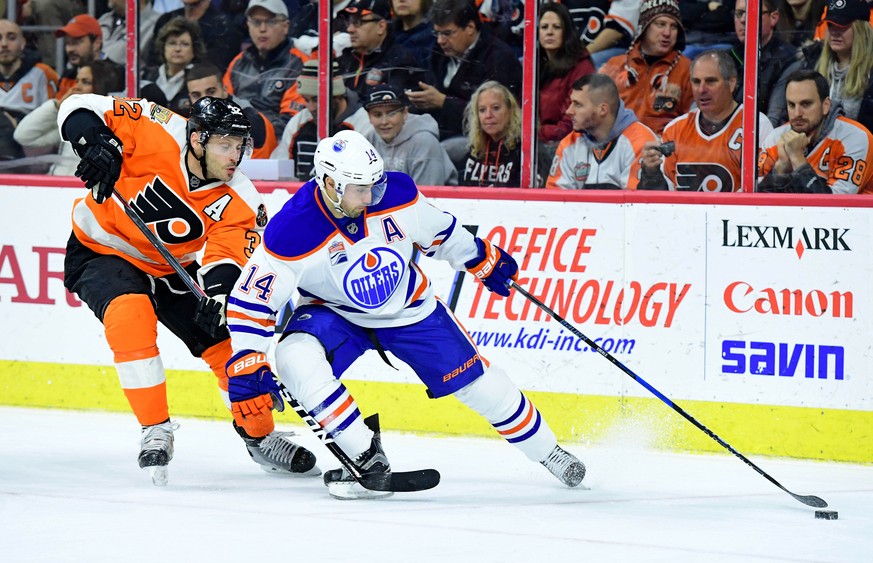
[407, 481]
[808, 500]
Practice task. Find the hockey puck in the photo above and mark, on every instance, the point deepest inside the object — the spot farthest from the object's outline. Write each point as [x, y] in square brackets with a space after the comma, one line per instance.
[826, 514]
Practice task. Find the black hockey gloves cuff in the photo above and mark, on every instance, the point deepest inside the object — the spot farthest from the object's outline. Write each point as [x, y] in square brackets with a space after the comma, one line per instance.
[101, 154]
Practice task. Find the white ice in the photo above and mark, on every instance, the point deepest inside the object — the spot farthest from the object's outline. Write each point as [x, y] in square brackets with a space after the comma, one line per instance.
[70, 490]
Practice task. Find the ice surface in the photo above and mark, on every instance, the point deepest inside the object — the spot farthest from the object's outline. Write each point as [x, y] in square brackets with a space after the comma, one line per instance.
[71, 490]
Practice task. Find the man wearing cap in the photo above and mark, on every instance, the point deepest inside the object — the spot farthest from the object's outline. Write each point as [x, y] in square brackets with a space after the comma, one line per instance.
[408, 143]
[300, 136]
[114, 29]
[222, 36]
[653, 76]
[266, 72]
[818, 150]
[25, 84]
[83, 43]
[204, 79]
[374, 57]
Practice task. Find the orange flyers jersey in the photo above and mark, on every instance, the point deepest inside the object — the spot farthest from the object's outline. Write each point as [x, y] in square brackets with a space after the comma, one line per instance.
[579, 164]
[228, 218]
[707, 163]
[844, 156]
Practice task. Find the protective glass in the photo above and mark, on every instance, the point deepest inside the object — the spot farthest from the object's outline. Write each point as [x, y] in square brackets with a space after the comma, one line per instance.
[377, 190]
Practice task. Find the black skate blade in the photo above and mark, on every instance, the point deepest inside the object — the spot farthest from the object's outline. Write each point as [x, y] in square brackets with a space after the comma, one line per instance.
[404, 481]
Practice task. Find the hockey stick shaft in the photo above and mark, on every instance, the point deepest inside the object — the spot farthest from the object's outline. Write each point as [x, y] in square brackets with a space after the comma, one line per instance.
[809, 500]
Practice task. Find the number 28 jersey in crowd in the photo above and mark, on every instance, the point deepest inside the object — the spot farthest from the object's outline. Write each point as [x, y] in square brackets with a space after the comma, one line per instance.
[360, 268]
[184, 212]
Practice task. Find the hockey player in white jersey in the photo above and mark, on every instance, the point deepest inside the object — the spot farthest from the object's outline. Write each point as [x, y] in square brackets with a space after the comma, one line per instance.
[345, 241]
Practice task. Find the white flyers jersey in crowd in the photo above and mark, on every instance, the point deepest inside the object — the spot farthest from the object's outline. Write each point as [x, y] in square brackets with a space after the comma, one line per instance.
[361, 268]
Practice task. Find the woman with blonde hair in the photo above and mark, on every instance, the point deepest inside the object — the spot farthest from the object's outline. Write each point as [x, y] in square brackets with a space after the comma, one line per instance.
[492, 121]
[846, 60]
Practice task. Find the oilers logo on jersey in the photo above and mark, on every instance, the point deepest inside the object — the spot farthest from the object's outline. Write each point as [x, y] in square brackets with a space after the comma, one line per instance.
[372, 279]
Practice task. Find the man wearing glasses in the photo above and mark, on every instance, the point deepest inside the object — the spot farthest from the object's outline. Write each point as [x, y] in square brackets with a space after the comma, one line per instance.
[774, 56]
[266, 72]
[468, 55]
[374, 57]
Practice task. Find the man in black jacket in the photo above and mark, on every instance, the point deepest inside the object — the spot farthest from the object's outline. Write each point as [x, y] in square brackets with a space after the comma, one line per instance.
[468, 56]
[374, 57]
[774, 57]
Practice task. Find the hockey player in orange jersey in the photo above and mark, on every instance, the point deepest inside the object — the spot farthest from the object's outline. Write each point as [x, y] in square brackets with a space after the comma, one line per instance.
[818, 150]
[181, 176]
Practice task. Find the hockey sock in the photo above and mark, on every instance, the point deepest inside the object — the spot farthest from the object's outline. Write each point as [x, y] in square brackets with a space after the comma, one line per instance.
[510, 412]
[217, 356]
[304, 369]
[131, 329]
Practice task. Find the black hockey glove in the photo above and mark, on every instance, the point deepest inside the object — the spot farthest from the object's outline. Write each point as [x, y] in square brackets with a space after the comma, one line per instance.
[211, 315]
[101, 154]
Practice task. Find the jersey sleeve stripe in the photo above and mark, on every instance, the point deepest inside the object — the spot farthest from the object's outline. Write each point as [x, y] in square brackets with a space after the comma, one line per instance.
[244, 317]
[249, 330]
[250, 306]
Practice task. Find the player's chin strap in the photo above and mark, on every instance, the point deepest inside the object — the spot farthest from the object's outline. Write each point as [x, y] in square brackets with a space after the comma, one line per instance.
[337, 204]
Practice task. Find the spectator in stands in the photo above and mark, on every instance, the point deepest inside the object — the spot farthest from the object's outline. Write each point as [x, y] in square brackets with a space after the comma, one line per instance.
[818, 150]
[774, 56]
[708, 24]
[706, 149]
[606, 27]
[604, 151]
[304, 28]
[374, 57]
[39, 128]
[468, 55]
[25, 84]
[563, 61]
[412, 29]
[49, 13]
[266, 72]
[179, 43]
[300, 136]
[223, 39]
[845, 58]
[204, 79]
[652, 77]
[83, 43]
[492, 121]
[408, 142]
[114, 26]
[798, 20]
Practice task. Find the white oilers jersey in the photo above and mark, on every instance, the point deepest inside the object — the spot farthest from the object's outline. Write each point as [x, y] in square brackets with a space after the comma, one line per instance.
[361, 268]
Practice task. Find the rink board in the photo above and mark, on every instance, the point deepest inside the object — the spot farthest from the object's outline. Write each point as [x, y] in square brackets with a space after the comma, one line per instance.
[753, 315]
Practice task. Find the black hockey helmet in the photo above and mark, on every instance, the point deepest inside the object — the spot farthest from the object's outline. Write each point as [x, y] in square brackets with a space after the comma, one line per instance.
[217, 116]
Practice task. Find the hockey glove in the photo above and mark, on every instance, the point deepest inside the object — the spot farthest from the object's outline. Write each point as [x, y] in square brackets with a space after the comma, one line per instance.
[211, 315]
[251, 387]
[493, 266]
[101, 154]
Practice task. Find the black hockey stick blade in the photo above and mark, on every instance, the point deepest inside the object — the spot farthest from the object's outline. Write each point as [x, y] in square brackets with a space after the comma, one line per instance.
[405, 481]
[401, 481]
[808, 500]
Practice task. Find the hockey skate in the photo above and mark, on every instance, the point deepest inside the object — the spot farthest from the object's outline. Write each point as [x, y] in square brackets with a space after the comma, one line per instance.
[373, 464]
[565, 466]
[277, 453]
[156, 450]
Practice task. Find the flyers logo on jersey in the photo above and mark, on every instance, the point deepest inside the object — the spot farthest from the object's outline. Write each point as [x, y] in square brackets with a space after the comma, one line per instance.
[372, 279]
[173, 220]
